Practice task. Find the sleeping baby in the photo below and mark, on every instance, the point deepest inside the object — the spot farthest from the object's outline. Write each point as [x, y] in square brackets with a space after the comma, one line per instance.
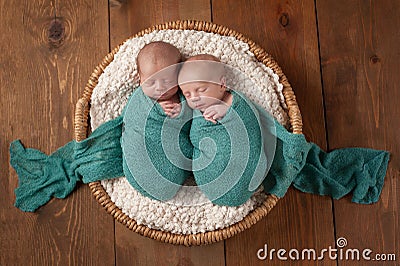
[155, 140]
[229, 161]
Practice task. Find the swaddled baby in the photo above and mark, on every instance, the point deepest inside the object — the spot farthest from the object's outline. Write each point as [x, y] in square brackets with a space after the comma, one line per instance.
[229, 162]
[155, 140]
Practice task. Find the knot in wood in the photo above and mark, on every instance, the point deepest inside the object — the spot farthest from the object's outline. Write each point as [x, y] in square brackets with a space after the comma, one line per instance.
[284, 19]
[56, 33]
[374, 59]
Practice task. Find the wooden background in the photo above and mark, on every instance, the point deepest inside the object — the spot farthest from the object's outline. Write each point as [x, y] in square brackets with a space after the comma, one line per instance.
[342, 58]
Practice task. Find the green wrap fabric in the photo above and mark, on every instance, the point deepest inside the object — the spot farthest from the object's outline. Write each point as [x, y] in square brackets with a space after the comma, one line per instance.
[336, 173]
[231, 165]
[296, 162]
[41, 176]
[157, 150]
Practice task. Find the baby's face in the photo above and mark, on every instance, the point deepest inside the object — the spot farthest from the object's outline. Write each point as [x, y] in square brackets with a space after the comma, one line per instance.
[159, 82]
[201, 95]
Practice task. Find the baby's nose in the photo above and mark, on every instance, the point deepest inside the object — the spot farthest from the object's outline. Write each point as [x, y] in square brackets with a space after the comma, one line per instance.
[160, 86]
[195, 98]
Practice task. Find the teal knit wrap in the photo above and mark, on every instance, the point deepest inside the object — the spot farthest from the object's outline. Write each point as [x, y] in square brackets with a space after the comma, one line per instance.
[295, 161]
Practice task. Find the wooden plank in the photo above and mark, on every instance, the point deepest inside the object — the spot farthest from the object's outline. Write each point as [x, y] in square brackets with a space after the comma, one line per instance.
[49, 49]
[360, 60]
[287, 30]
[134, 249]
[127, 18]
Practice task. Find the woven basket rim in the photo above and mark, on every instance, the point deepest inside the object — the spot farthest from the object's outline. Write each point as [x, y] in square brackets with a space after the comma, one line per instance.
[81, 128]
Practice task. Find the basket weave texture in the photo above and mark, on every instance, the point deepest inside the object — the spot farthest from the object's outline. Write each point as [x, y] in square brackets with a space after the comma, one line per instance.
[81, 128]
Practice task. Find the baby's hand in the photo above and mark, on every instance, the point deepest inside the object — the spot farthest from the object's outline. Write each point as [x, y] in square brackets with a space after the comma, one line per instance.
[215, 112]
[170, 108]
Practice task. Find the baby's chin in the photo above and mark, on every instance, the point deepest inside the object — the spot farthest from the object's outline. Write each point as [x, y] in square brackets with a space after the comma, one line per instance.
[163, 97]
[166, 96]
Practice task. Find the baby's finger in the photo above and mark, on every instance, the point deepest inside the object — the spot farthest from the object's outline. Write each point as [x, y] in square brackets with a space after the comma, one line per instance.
[177, 107]
[210, 113]
[207, 111]
[170, 114]
[169, 105]
[210, 119]
[173, 115]
[217, 117]
[175, 110]
[168, 110]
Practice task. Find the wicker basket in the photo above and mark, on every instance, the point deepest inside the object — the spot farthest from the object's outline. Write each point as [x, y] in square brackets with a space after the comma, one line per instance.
[82, 129]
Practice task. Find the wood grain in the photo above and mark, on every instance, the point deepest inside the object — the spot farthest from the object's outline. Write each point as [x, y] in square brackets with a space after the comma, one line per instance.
[49, 48]
[127, 19]
[134, 249]
[287, 30]
[360, 63]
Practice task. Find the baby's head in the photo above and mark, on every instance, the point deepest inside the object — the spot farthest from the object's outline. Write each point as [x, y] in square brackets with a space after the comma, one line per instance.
[202, 81]
[152, 58]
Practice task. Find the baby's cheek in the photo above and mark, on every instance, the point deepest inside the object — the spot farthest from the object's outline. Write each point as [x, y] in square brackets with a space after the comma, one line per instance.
[187, 99]
[207, 100]
[146, 92]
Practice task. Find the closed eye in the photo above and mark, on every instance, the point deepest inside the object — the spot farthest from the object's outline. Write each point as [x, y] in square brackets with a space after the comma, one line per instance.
[202, 89]
[148, 83]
